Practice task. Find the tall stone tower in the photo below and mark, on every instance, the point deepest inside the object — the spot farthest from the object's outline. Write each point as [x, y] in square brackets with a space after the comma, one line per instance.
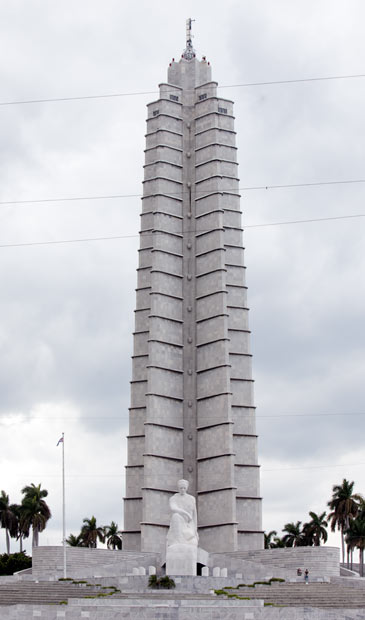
[192, 414]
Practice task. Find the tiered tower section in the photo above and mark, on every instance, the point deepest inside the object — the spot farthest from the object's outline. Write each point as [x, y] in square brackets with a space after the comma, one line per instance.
[192, 414]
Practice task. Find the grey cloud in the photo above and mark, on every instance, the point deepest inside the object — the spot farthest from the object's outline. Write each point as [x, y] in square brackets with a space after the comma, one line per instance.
[66, 312]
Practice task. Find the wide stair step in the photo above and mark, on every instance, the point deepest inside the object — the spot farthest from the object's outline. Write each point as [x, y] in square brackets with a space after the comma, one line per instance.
[323, 595]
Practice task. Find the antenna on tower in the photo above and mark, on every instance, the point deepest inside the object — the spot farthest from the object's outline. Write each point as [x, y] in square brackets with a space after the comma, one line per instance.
[189, 51]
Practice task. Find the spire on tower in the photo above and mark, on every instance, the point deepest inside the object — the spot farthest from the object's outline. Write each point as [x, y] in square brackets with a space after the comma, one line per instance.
[189, 51]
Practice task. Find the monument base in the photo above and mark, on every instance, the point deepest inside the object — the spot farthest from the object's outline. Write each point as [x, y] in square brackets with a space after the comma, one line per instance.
[181, 559]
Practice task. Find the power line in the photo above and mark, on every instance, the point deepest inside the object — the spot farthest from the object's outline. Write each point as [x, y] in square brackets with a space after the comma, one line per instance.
[294, 185]
[243, 189]
[192, 231]
[72, 198]
[319, 219]
[63, 241]
[154, 92]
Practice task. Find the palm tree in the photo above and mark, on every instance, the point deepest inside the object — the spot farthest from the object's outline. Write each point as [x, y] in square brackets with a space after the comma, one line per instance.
[7, 518]
[316, 528]
[307, 536]
[269, 539]
[113, 536]
[344, 506]
[361, 511]
[35, 511]
[355, 537]
[75, 541]
[90, 533]
[278, 543]
[20, 530]
[294, 534]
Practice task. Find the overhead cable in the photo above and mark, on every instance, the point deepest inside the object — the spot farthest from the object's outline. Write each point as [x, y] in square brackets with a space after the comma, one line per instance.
[233, 189]
[192, 231]
[154, 92]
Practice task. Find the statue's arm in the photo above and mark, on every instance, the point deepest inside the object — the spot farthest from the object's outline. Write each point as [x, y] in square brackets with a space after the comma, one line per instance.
[195, 518]
[175, 508]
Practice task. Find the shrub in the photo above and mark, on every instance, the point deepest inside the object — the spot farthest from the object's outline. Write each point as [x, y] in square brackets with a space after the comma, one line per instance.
[14, 562]
[153, 581]
[161, 582]
[167, 582]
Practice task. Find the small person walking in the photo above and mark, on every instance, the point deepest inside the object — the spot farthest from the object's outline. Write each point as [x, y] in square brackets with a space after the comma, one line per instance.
[306, 576]
[299, 572]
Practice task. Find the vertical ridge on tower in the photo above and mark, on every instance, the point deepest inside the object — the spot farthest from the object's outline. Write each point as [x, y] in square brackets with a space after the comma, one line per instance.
[192, 413]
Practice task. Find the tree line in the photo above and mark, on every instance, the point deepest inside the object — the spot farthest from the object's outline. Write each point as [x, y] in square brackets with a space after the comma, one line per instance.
[90, 533]
[32, 513]
[347, 514]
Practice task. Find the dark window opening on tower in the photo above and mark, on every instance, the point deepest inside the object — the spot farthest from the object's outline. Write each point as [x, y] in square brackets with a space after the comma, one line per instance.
[222, 110]
[203, 96]
[174, 97]
[155, 112]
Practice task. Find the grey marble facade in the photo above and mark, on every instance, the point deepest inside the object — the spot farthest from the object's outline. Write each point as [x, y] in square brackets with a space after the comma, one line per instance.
[192, 414]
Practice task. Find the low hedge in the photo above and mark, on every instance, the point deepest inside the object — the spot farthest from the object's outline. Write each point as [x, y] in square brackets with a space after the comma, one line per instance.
[14, 562]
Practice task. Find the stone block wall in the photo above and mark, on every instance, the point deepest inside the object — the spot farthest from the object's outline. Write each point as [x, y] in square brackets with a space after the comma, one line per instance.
[320, 561]
[48, 561]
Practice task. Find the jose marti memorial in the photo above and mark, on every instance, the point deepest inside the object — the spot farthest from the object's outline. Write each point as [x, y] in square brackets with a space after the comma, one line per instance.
[192, 415]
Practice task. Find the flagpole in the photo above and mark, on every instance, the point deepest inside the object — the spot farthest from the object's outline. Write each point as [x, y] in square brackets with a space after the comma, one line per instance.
[63, 507]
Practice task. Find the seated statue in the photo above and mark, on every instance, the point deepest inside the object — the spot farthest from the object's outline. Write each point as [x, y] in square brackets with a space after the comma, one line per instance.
[183, 522]
[182, 537]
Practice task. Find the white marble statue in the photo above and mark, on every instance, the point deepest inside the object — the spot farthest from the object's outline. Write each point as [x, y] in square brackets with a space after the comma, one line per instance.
[183, 522]
[182, 537]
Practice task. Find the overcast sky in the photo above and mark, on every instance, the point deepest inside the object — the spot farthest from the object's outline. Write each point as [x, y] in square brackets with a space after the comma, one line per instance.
[66, 310]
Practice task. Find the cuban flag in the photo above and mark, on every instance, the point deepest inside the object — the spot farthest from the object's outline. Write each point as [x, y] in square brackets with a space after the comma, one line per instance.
[60, 441]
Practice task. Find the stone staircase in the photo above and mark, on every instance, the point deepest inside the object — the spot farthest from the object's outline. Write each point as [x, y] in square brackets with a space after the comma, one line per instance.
[318, 595]
[316, 601]
[44, 592]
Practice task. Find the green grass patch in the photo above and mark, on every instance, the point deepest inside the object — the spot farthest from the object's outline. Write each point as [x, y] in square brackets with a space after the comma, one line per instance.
[230, 595]
[224, 591]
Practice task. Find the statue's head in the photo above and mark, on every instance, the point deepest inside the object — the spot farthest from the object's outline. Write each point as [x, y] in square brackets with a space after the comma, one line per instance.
[182, 486]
